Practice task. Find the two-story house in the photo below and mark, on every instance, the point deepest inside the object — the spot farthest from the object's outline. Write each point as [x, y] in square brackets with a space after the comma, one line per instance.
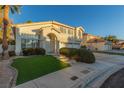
[50, 35]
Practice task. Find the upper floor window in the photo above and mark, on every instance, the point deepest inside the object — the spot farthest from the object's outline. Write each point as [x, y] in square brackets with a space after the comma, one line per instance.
[70, 31]
[63, 30]
[79, 34]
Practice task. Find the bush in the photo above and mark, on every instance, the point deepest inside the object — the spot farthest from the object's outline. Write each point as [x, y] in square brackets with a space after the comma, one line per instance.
[64, 51]
[11, 42]
[84, 46]
[33, 51]
[39, 51]
[68, 52]
[86, 56]
[12, 53]
[82, 54]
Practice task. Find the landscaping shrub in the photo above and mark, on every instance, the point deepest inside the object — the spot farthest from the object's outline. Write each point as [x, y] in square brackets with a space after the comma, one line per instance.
[82, 54]
[64, 51]
[86, 56]
[11, 42]
[33, 51]
[25, 52]
[84, 46]
[40, 51]
[68, 52]
[12, 53]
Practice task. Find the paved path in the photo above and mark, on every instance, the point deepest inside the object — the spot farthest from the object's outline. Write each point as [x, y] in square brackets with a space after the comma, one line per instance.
[6, 74]
[117, 51]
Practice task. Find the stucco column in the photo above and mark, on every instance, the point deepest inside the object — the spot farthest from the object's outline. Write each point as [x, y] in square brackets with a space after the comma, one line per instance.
[18, 43]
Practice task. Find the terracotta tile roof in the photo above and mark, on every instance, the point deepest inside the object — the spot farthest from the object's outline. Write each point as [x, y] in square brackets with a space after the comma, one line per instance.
[94, 40]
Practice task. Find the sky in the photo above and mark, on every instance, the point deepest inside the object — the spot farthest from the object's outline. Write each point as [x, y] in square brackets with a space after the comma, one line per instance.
[96, 20]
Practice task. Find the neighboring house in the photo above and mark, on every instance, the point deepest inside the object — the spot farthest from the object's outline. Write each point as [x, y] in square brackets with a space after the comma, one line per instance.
[122, 45]
[87, 37]
[119, 45]
[96, 43]
[50, 35]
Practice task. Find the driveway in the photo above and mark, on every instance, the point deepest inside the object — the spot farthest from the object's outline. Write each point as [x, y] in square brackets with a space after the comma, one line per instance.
[116, 80]
[107, 58]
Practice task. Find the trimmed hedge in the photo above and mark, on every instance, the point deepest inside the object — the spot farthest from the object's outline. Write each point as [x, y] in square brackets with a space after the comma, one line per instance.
[33, 51]
[12, 53]
[68, 52]
[84, 46]
[86, 56]
[11, 42]
[82, 54]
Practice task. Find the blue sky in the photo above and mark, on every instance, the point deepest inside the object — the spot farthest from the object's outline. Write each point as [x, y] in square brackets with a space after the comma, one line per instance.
[97, 20]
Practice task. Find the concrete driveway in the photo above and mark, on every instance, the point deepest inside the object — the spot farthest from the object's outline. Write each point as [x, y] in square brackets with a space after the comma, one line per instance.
[107, 58]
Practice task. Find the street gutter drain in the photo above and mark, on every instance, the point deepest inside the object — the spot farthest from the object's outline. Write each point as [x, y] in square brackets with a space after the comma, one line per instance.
[74, 78]
[85, 71]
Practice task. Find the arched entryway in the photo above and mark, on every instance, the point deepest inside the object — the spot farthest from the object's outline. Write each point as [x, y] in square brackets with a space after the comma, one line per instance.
[53, 43]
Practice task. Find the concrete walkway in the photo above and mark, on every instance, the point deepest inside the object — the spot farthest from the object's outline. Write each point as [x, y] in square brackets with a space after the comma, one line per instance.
[6, 74]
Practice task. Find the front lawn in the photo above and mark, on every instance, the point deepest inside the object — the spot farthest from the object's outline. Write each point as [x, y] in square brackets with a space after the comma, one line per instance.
[35, 66]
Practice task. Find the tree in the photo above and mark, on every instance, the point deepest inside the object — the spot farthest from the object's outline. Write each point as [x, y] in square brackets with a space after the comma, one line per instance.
[6, 23]
[0, 24]
[111, 38]
[0, 16]
[29, 21]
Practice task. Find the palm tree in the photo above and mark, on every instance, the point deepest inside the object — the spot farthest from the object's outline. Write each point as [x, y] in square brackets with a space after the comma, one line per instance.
[6, 24]
[0, 18]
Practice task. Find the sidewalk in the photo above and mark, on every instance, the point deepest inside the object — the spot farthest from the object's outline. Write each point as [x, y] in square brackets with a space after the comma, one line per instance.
[6, 74]
[79, 75]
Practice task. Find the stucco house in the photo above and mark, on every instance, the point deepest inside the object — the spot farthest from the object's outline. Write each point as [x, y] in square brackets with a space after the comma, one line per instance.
[118, 45]
[50, 35]
[96, 43]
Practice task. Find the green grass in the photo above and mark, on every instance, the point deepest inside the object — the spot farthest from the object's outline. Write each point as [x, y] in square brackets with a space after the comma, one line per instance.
[35, 66]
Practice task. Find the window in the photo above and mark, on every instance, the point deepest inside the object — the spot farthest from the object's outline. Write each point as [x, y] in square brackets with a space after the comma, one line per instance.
[70, 31]
[63, 30]
[23, 43]
[30, 41]
[79, 34]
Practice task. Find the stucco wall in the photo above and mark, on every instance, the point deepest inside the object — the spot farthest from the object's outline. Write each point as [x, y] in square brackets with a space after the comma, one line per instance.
[45, 29]
[100, 46]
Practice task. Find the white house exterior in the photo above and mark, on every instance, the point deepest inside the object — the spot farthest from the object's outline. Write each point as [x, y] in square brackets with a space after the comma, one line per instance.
[50, 35]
